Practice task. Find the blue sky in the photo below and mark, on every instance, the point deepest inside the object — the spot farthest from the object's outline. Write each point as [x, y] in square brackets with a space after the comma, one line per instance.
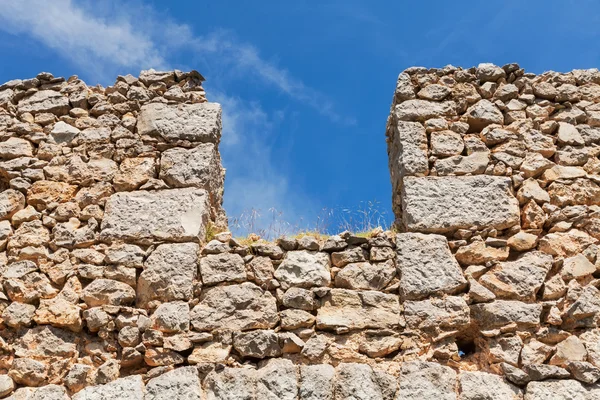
[306, 86]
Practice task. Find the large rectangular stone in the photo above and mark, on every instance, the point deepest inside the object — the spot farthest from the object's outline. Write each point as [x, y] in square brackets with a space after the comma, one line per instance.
[177, 122]
[444, 204]
[175, 215]
[351, 309]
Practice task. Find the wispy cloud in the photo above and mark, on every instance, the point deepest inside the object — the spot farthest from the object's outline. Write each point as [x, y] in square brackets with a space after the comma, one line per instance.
[79, 36]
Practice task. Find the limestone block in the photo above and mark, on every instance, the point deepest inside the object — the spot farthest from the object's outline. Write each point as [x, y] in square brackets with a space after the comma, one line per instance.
[349, 309]
[130, 388]
[45, 101]
[168, 273]
[175, 215]
[444, 204]
[194, 122]
[235, 307]
[481, 385]
[181, 383]
[426, 380]
[426, 266]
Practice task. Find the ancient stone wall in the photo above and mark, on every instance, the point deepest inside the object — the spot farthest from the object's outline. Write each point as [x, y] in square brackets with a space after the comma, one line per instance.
[118, 279]
[501, 166]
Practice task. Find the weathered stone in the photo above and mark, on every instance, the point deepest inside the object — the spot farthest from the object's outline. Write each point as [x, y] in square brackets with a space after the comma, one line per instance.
[437, 315]
[198, 167]
[212, 352]
[426, 266]
[472, 164]
[43, 193]
[7, 385]
[555, 389]
[294, 319]
[446, 143]
[133, 173]
[421, 110]
[534, 164]
[478, 253]
[46, 342]
[360, 382]
[522, 241]
[59, 312]
[26, 371]
[565, 244]
[365, 275]
[577, 267]
[236, 307]
[277, 379]
[181, 383]
[63, 132]
[482, 114]
[172, 317]
[531, 190]
[316, 382]
[520, 279]
[501, 313]
[350, 255]
[194, 122]
[503, 349]
[299, 298]
[15, 147]
[168, 273]
[45, 101]
[442, 204]
[231, 383]
[18, 314]
[570, 349]
[304, 269]
[348, 309]
[172, 215]
[130, 388]
[535, 352]
[434, 92]
[226, 267]
[108, 292]
[482, 385]
[257, 344]
[159, 356]
[423, 380]
[407, 152]
[379, 344]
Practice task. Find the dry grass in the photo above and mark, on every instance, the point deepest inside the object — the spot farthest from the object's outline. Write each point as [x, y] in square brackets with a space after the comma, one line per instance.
[253, 225]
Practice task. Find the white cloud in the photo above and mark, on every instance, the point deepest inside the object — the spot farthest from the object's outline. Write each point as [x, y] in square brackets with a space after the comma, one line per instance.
[77, 35]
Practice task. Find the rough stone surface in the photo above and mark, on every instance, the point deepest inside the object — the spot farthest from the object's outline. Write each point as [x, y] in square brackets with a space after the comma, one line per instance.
[193, 122]
[304, 269]
[422, 380]
[358, 310]
[181, 383]
[443, 204]
[236, 307]
[426, 266]
[172, 215]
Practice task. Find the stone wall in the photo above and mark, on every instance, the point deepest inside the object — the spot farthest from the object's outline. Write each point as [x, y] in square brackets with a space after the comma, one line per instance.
[118, 279]
[502, 167]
